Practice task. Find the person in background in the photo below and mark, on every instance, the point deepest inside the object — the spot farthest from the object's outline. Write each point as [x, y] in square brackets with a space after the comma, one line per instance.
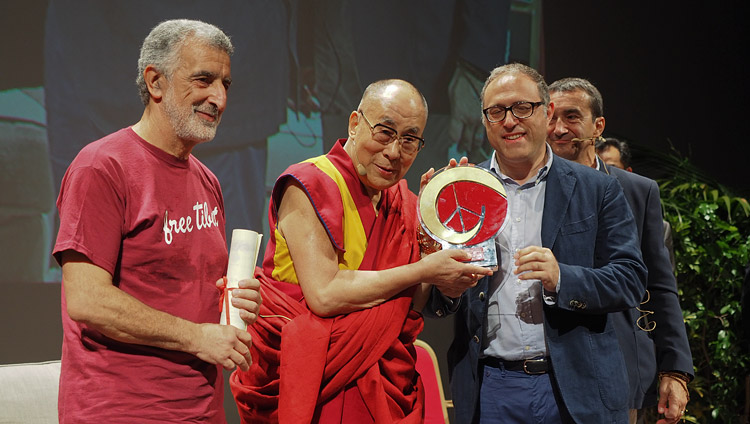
[142, 244]
[614, 152]
[652, 337]
[535, 341]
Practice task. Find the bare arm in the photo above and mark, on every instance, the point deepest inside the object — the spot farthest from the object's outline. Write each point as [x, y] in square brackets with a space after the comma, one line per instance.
[93, 300]
[329, 290]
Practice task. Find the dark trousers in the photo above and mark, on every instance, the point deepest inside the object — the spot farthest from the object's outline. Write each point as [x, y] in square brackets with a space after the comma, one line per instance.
[510, 397]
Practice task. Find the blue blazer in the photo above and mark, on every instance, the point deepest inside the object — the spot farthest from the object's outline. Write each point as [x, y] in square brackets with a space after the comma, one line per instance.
[589, 227]
[666, 348]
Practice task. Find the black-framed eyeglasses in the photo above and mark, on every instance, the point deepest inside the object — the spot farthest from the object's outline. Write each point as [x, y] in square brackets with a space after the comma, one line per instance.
[385, 135]
[520, 110]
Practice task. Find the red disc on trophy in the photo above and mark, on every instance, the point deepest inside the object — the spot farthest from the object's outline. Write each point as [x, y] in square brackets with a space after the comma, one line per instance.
[463, 205]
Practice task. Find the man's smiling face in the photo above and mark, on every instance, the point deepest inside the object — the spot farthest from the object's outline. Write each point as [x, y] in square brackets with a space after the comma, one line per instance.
[517, 141]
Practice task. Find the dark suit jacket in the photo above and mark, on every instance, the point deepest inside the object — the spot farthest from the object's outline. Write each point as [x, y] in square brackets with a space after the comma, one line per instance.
[590, 229]
[666, 348]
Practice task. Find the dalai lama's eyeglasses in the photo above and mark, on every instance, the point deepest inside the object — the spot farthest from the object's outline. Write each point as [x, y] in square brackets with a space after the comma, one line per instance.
[385, 135]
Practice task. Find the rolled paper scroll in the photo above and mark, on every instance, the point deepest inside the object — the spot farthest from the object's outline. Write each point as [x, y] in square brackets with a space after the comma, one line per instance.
[243, 252]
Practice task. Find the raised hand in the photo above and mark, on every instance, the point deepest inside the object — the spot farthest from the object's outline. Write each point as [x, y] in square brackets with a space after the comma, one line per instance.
[247, 298]
[538, 263]
[451, 164]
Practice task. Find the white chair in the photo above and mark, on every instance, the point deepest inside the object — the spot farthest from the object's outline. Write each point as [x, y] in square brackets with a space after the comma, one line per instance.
[28, 392]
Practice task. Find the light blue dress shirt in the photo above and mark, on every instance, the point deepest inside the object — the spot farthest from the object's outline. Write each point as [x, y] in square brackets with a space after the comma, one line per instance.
[515, 316]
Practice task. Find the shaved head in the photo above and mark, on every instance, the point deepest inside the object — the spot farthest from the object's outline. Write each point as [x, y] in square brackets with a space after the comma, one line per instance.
[388, 89]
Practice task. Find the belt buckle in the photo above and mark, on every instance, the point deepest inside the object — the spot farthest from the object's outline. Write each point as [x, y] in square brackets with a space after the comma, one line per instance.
[527, 371]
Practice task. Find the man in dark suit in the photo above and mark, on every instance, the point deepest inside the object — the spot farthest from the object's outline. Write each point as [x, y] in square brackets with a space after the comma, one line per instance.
[615, 152]
[535, 341]
[652, 338]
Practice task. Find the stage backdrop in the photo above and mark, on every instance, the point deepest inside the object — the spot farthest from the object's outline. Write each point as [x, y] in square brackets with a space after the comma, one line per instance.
[668, 73]
[298, 70]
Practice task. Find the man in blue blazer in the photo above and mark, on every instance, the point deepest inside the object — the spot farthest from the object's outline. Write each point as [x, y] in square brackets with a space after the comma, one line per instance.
[535, 342]
[654, 339]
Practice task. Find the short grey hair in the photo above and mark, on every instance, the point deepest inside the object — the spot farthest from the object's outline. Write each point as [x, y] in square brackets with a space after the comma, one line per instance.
[519, 68]
[566, 85]
[162, 46]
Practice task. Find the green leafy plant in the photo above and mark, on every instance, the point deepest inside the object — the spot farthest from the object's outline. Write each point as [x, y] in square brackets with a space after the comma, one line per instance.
[710, 229]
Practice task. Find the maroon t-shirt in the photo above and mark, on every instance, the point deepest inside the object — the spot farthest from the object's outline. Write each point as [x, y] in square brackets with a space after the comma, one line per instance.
[156, 224]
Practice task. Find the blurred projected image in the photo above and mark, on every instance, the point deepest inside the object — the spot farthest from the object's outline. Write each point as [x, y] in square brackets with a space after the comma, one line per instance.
[298, 71]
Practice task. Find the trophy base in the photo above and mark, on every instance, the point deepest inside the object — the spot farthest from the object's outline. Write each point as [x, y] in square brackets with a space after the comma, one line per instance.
[482, 254]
